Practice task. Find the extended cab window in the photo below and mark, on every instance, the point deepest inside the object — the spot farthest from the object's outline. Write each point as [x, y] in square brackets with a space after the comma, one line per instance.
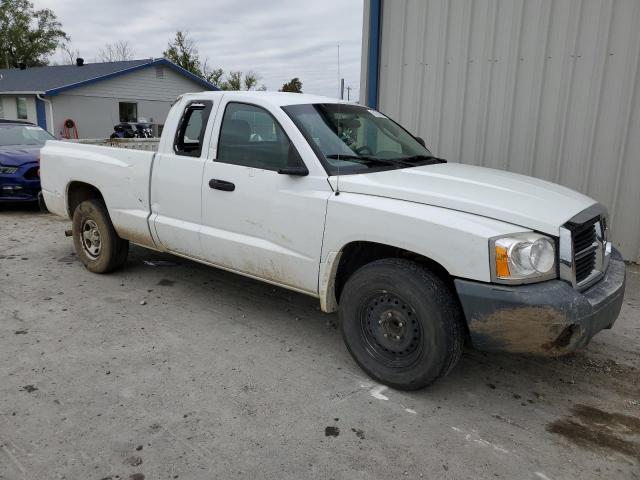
[191, 129]
[251, 137]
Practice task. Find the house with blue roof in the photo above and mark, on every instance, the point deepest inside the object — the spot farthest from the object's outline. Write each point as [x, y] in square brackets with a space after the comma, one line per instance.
[95, 96]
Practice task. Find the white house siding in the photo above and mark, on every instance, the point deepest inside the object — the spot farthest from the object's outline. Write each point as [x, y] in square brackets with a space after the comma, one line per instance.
[9, 109]
[95, 107]
[548, 88]
[96, 116]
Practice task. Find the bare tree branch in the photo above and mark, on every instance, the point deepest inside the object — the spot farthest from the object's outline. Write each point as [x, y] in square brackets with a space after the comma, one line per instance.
[119, 51]
[69, 53]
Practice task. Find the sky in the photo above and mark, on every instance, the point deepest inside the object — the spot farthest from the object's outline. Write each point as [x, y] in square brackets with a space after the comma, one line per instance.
[279, 39]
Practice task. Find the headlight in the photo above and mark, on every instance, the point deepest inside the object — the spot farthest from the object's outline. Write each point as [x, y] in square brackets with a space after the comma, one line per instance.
[522, 258]
[8, 170]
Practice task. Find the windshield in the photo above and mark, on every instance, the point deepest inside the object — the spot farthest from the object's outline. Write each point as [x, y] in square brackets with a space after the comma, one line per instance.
[23, 135]
[355, 139]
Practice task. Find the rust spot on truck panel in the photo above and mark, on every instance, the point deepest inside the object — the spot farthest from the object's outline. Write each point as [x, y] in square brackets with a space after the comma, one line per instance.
[540, 330]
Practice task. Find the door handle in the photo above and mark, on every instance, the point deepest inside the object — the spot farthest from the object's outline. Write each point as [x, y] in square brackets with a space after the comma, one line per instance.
[221, 185]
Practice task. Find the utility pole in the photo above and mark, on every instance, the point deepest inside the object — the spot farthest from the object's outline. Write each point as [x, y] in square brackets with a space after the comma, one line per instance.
[339, 75]
[349, 93]
[342, 89]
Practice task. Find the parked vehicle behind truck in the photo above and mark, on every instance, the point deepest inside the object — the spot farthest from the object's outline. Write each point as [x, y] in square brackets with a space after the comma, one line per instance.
[337, 201]
[20, 144]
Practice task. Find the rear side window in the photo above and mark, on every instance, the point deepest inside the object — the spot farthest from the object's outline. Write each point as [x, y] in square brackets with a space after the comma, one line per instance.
[190, 133]
[251, 137]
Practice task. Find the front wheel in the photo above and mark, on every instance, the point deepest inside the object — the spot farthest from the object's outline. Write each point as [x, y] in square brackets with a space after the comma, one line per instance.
[401, 323]
[96, 241]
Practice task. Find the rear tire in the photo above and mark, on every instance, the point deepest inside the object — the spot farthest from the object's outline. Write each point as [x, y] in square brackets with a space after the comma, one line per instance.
[41, 203]
[401, 323]
[96, 241]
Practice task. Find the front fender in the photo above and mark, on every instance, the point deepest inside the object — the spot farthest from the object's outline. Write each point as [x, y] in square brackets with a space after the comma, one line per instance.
[456, 240]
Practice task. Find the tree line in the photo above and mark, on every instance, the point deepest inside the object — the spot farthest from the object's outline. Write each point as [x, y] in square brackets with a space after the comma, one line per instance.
[29, 37]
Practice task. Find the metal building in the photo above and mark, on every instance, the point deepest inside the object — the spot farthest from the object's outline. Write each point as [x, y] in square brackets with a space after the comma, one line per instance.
[548, 88]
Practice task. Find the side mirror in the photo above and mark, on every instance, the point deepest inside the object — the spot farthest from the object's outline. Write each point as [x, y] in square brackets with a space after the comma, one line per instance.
[421, 141]
[300, 171]
[295, 165]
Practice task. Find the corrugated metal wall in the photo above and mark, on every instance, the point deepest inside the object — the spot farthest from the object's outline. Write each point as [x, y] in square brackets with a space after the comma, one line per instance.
[548, 88]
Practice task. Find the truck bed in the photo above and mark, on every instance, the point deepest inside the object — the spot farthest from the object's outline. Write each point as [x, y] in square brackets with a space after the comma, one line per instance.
[119, 169]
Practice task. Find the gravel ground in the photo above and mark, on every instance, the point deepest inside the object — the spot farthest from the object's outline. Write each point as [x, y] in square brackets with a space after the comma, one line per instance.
[170, 369]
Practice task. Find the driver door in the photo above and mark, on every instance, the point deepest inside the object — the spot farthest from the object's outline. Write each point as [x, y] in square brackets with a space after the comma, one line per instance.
[258, 221]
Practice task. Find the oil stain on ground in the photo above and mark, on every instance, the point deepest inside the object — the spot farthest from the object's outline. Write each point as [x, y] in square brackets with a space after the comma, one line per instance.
[166, 282]
[331, 431]
[594, 429]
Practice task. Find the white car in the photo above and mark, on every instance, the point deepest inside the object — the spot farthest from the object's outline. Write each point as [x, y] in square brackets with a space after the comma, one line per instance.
[339, 202]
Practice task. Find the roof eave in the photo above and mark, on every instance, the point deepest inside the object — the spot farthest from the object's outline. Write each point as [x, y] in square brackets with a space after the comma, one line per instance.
[158, 61]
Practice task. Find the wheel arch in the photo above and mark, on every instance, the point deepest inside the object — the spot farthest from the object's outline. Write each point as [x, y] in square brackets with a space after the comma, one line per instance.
[354, 255]
[78, 192]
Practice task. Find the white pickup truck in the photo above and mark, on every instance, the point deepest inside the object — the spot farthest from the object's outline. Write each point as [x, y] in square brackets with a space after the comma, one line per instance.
[339, 202]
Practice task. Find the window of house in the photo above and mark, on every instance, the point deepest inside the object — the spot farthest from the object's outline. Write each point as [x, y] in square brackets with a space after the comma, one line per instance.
[21, 106]
[128, 112]
[159, 72]
[1, 108]
[190, 134]
[251, 137]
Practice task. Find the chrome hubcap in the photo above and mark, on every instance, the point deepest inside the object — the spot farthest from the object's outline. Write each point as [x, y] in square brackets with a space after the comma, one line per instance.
[91, 241]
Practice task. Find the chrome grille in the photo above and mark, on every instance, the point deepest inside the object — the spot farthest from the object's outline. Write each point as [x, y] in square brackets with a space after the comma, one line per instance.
[584, 250]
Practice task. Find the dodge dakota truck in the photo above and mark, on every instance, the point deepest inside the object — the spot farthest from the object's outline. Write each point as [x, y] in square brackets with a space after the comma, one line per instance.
[338, 201]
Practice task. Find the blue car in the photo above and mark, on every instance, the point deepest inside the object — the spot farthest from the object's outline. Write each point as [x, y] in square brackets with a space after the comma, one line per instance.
[20, 144]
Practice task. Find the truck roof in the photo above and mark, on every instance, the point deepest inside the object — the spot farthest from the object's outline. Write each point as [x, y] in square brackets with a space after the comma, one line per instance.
[276, 98]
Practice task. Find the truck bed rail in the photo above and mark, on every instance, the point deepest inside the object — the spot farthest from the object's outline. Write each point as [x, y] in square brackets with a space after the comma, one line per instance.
[148, 144]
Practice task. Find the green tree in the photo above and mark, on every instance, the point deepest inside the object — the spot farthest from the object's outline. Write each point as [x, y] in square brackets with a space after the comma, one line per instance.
[238, 80]
[233, 81]
[212, 75]
[27, 35]
[251, 80]
[183, 52]
[294, 85]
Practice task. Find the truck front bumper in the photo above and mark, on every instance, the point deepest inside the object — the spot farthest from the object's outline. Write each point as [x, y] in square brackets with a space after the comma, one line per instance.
[550, 318]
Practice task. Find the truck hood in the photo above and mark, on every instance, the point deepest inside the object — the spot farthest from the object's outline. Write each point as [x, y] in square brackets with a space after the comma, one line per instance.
[509, 197]
[15, 156]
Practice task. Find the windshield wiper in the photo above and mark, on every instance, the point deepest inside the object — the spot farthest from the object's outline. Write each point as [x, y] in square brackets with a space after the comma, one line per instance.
[422, 158]
[368, 159]
[411, 161]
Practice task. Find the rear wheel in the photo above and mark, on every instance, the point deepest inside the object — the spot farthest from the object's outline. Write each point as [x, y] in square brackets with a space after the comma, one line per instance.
[401, 323]
[96, 241]
[41, 203]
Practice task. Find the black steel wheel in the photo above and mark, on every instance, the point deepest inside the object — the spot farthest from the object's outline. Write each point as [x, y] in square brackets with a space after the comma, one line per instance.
[391, 330]
[402, 323]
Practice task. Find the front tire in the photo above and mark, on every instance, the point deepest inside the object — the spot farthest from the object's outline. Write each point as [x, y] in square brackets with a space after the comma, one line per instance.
[96, 241]
[401, 323]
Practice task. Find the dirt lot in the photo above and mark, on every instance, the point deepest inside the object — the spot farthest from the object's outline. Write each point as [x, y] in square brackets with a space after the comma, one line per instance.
[169, 369]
